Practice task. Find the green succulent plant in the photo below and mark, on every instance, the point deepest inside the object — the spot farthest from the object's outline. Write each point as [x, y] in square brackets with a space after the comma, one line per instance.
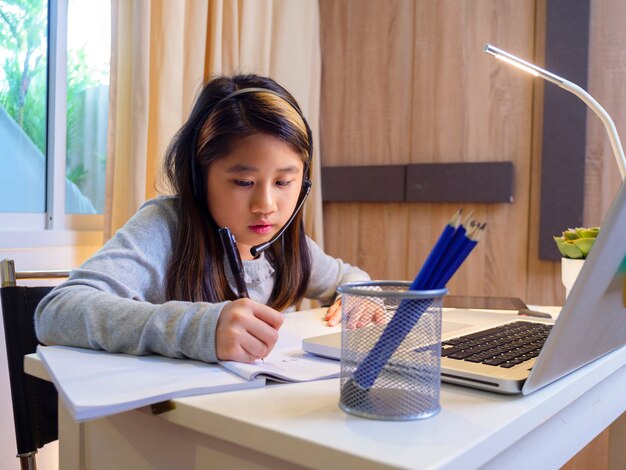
[577, 242]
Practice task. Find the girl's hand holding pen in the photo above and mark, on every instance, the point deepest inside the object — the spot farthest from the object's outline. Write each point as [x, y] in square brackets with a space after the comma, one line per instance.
[246, 331]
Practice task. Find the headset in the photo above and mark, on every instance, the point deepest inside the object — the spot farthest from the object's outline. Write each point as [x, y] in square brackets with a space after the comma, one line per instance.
[197, 184]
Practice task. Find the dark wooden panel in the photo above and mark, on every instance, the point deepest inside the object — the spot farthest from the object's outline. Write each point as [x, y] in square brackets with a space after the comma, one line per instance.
[481, 182]
[377, 183]
[564, 123]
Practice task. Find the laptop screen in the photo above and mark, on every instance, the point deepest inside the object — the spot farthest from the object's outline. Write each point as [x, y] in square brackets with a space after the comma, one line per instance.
[593, 320]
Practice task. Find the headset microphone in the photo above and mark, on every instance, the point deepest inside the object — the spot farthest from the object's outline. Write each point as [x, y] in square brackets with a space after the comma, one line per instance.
[256, 250]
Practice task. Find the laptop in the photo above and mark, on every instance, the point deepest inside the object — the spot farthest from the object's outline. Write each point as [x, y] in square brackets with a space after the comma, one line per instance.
[591, 324]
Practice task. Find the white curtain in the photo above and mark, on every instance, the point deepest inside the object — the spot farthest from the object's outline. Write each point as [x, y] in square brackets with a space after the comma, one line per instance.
[162, 50]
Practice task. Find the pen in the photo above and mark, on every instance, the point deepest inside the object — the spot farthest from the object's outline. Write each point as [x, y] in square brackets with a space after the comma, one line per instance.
[234, 260]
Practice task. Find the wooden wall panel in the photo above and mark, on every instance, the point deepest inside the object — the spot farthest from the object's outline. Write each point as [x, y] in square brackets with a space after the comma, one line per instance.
[607, 70]
[367, 121]
[544, 285]
[366, 74]
[407, 82]
[607, 74]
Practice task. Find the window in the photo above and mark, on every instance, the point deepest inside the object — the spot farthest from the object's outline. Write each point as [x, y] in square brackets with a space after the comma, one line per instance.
[54, 87]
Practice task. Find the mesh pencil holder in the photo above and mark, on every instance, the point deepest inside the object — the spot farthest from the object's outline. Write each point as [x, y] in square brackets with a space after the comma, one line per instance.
[390, 368]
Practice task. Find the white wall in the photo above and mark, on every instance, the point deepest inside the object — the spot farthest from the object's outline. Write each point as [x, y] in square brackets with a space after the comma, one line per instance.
[26, 259]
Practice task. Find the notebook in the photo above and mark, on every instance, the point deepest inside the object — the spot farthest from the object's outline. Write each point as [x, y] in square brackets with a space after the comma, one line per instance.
[94, 384]
[591, 324]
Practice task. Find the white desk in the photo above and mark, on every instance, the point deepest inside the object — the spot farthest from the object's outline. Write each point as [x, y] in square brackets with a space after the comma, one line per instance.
[300, 425]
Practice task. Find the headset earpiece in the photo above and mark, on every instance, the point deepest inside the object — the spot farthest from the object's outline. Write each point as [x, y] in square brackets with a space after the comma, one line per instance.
[197, 185]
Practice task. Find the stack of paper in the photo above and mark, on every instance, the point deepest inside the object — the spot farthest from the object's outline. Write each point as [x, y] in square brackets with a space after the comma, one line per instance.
[94, 384]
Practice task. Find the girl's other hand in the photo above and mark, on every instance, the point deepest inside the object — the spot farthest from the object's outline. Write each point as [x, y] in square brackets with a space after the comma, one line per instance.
[333, 314]
[360, 315]
[246, 331]
[364, 311]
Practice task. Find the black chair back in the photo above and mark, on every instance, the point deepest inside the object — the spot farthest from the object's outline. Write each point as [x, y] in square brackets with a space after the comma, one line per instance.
[35, 412]
[34, 401]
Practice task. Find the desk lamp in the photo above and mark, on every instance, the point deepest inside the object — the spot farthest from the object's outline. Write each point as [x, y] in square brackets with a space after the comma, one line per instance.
[618, 151]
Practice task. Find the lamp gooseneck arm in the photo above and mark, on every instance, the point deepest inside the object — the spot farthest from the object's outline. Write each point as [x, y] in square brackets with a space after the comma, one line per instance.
[611, 130]
[589, 100]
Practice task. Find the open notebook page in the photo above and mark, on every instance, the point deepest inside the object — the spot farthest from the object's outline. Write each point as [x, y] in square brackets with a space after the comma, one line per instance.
[287, 363]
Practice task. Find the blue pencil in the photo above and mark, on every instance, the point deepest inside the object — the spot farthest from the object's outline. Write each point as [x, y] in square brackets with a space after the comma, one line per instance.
[467, 249]
[457, 247]
[438, 251]
[408, 314]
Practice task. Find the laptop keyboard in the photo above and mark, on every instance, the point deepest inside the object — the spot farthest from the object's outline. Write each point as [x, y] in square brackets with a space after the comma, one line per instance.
[503, 346]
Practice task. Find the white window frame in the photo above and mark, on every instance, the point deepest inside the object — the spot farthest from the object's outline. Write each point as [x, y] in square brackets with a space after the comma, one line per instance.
[54, 226]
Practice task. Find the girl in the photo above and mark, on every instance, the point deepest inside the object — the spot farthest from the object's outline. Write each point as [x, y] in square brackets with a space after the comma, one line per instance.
[162, 284]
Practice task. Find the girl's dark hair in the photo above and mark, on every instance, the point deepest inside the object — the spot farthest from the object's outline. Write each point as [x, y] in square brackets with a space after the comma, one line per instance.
[196, 268]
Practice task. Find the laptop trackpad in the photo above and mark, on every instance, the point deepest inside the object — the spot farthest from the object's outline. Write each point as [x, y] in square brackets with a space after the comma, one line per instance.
[450, 326]
[329, 345]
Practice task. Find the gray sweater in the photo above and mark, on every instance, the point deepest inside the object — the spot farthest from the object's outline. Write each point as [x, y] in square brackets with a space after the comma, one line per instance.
[116, 300]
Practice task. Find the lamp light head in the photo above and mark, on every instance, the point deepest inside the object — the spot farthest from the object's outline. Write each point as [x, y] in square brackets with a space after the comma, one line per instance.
[501, 55]
[523, 65]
